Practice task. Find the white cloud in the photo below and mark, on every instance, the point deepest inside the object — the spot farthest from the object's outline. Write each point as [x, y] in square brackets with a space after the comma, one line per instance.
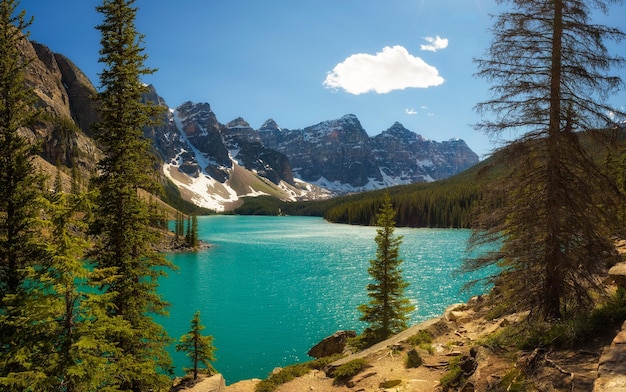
[436, 43]
[410, 112]
[392, 69]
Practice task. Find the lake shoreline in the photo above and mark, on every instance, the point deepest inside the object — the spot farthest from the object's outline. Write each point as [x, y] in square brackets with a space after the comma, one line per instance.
[285, 283]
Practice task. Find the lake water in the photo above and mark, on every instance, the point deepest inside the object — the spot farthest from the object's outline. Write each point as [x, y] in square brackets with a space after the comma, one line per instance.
[270, 288]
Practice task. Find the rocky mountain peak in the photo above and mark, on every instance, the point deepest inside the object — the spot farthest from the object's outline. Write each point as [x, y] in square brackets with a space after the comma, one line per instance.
[397, 130]
[238, 123]
[269, 126]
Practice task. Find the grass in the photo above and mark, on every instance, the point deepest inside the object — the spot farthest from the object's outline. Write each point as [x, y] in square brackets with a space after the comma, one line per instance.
[292, 372]
[514, 381]
[421, 337]
[454, 376]
[351, 369]
[348, 370]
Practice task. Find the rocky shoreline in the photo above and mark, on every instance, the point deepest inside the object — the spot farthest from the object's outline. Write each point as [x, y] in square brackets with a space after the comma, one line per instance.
[169, 243]
[598, 366]
[461, 334]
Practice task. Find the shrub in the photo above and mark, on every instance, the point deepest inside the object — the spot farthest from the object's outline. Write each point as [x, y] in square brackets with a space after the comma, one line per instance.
[413, 359]
[454, 376]
[321, 363]
[421, 337]
[351, 369]
[282, 376]
[427, 347]
[361, 342]
[291, 372]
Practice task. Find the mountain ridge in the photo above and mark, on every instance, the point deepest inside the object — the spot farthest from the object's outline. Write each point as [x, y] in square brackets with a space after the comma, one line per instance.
[216, 164]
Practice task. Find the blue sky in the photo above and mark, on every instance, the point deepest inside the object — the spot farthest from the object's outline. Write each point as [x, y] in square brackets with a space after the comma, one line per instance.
[301, 62]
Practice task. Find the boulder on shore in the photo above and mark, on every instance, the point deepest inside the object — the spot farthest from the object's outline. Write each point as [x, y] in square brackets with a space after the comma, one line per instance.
[618, 274]
[334, 344]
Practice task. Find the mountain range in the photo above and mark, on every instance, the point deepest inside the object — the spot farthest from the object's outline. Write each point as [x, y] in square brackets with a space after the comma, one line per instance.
[215, 165]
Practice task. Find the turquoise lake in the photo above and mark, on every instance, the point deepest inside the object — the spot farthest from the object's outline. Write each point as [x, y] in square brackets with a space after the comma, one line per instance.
[269, 288]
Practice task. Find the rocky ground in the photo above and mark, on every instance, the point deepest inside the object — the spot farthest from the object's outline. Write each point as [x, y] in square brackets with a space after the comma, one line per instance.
[459, 333]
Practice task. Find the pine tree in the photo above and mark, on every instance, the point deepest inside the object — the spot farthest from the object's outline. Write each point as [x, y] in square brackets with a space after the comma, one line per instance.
[21, 247]
[19, 188]
[551, 216]
[126, 266]
[193, 233]
[73, 352]
[199, 348]
[388, 310]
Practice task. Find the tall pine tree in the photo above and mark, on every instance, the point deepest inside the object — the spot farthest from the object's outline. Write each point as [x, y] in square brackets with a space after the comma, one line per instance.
[21, 248]
[550, 217]
[127, 266]
[73, 350]
[388, 311]
[19, 188]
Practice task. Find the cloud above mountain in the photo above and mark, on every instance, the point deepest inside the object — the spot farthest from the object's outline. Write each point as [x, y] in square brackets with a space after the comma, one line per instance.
[394, 68]
[435, 43]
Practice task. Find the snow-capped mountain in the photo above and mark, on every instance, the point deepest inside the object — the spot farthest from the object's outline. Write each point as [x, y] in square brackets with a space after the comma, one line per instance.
[217, 164]
[339, 155]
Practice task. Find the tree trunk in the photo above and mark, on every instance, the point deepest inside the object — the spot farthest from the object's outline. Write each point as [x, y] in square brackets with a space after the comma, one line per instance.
[553, 201]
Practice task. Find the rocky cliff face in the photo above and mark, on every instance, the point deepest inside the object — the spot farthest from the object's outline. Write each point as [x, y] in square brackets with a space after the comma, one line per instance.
[340, 156]
[63, 93]
[332, 154]
[407, 157]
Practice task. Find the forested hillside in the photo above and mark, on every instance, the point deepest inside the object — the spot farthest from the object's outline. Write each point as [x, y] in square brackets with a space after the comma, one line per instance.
[447, 203]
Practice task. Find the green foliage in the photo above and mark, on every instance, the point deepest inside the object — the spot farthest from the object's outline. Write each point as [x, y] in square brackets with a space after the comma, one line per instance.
[413, 359]
[191, 237]
[199, 348]
[19, 186]
[360, 342]
[320, 363]
[608, 316]
[291, 372]
[514, 381]
[350, 369]
[422, 336]
[553, 215]
[446, 204]
[261, 205]
[568, 332]
[125, 265]
[388, 310]
[22, 247]
[454, 376]
[282, 376]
